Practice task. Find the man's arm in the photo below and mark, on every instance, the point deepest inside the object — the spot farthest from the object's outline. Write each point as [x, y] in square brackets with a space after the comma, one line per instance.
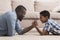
[21, 31]
[11, 25]
[27, 29]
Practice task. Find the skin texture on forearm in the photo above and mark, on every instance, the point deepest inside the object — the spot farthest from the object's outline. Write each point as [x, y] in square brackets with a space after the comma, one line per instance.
[27, 29]
[42, 32]
[38, 31]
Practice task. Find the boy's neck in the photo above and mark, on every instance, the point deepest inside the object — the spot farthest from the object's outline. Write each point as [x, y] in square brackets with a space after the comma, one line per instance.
[46, 20]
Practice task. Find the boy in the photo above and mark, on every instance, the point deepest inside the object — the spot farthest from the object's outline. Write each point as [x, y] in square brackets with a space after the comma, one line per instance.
[50, 25]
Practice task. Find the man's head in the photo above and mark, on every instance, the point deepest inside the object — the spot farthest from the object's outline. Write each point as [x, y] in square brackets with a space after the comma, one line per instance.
[44, 16]
[20, 11]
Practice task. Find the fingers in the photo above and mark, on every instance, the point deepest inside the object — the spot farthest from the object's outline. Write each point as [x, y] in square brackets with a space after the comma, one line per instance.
[35, 23]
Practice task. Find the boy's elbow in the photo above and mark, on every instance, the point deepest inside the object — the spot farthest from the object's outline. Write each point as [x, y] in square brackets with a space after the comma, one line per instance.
[44, 34]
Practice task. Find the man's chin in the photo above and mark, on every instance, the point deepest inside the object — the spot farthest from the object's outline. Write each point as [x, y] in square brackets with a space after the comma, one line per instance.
[20, 19]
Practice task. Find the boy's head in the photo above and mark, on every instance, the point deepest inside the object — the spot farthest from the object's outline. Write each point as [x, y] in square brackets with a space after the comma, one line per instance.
[20, 11]
[44, 16]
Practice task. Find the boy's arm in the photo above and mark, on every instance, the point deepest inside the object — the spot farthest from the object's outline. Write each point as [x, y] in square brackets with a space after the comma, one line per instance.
[43, 32]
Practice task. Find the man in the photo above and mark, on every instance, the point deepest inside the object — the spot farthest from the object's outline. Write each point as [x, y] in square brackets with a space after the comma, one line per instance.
[9, 22]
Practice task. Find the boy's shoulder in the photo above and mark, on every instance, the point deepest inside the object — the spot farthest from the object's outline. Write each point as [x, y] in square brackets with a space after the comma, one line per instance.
[51, 21]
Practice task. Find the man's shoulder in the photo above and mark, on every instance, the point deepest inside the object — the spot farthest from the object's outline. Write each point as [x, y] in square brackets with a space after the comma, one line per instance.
[11, 14]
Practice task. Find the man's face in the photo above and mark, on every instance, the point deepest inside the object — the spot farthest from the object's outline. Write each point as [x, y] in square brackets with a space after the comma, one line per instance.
[43, 19]
[21, 15]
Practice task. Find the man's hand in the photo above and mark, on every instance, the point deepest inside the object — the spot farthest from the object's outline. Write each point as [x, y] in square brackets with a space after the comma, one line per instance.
[34, 23]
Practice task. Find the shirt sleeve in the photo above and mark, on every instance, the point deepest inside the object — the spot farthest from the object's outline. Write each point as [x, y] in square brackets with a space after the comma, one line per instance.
[11, 20]
[47, 27]
[18, 28]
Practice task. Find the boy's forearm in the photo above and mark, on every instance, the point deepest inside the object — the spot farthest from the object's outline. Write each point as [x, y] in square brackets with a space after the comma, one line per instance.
[40, 32]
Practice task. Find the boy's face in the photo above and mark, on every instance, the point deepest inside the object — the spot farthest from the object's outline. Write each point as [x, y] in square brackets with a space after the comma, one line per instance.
[43, 19]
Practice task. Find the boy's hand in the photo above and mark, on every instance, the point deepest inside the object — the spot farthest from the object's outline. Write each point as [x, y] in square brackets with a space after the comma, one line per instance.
[34, 23]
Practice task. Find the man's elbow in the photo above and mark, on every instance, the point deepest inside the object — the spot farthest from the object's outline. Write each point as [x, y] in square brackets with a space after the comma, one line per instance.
[21, 33]
[10, 35]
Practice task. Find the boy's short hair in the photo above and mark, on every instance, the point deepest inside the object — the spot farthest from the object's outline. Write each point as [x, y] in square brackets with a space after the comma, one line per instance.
[45, 13]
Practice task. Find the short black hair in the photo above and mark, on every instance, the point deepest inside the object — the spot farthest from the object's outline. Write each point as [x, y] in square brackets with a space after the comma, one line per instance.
[45, 13]
[20, 8]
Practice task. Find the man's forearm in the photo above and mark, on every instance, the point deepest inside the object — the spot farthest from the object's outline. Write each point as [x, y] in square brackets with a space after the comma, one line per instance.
[27, 29]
